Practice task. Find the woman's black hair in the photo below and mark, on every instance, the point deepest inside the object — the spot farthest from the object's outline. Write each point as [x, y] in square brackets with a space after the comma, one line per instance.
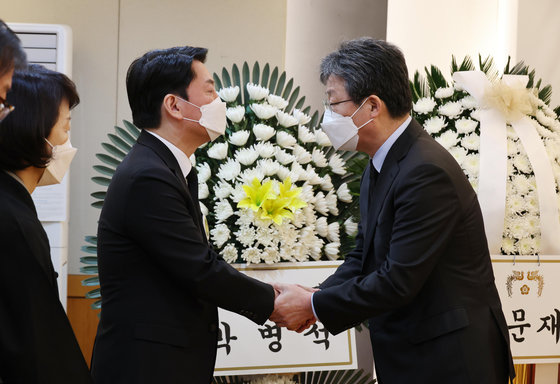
[37, 93]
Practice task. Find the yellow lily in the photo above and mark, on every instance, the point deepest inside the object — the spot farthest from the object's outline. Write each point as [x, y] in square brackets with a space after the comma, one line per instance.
[257, 194]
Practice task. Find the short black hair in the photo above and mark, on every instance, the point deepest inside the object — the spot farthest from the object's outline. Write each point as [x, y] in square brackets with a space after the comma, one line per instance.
[156, 74]
[37, 93]
[371, 67]
[12, 54]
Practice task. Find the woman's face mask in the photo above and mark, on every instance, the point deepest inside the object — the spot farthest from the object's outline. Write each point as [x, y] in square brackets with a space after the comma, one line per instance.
[59, 164]
[341, 130]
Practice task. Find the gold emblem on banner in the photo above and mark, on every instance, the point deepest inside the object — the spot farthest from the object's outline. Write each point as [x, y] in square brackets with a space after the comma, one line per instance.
[525, 288]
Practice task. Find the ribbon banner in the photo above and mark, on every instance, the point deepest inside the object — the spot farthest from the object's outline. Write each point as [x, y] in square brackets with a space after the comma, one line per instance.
[493, 162]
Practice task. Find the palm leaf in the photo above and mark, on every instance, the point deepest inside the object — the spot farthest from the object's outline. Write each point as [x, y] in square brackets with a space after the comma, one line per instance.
[123, 134]
[273, 80]
[435, 78]
[256, 73]
[246, 80]
[217, 81]
[225, 78]
[108, 159]
[90, 260]
[265, 75]
[120, 143]
[237, 81]
[280, 85]
[101, 180]
[292, 99]
[114, 151]
[90, 281]
[93, 294]
[132, 129]
[106, 171]
[287, 90]
[91, 240]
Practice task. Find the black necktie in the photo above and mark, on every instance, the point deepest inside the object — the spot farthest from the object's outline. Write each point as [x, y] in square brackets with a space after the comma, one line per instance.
[373, 175]
[192, 184]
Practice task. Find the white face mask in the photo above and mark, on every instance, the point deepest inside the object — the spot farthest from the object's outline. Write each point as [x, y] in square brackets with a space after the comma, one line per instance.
[59, 164]
[341, 130]
[212, 118]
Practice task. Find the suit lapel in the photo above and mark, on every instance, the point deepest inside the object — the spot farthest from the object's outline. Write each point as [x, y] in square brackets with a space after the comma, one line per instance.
[389, 171]
[169, 159]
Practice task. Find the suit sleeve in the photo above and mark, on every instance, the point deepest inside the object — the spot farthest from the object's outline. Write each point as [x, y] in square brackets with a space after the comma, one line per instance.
[160, 222]
[426, 211]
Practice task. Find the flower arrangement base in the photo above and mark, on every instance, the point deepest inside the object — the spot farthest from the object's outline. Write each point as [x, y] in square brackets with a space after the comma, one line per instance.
[247, 348]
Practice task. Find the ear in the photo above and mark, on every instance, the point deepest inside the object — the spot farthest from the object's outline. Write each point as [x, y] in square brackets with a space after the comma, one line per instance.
[170, 108]
[374, 105]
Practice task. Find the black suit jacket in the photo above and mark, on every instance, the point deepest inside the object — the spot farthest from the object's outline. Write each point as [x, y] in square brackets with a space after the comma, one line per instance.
[37, 344]
[161, 283]
[421, 273]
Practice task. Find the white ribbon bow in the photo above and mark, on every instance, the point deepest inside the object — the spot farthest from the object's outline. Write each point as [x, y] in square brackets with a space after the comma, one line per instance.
[493, 164]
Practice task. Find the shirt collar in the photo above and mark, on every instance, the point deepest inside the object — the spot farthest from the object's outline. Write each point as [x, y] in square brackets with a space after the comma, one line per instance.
[379, 157]
[16, 177]
[183, 160]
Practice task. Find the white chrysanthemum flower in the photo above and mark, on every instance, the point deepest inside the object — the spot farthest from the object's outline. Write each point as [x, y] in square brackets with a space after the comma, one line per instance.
[521, 184]
[264, 111]
[220, 234]
[263, 132]
[299, 171]
[302, 155]
[512, 148]
[301, 117]
[515, 203]
[434, 124]
[251, 255]
[532, 202]
[471, 165]
[239, 138]
[229, 94]
[238, 193]
[465, 125]
[285, 119]
[344, 193]
[508, 246]
[203, 209]
[246, 235]
[301, 252]
[521, 162]
[543, 119]
[319, 158]
[334, 232]
[236, 114]
[331, 250]
[459, 153]
[266, 236]
[285, 140]
[306, 193]
[448, 139]
[256, 92]
[218, 151]
[351, 227]
[269, 166]
[283, 157]
[475, 114]
[312, 177]
[304, 135]
[203, 191]
[284, 173]
[229, 170]
[543, 131]
[299, 219]
[321, 204]
[249, 174]
[510, 167]
[322, 139]
[277, 101]
[246, 156]
[222, 190]
[336, 162]
[271, 256]
[327, 184]
[229, 253]
[469, 102]
[322, 226]
[526, 246]
[309, 214]
[223, 211]
[204, 172]
[332, 201]
[549, 112]
[424, 105]
[471, 142]
[265, 149]
[443, 93]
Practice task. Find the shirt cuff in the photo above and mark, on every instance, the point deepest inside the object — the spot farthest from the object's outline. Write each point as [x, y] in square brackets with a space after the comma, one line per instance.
[313, 307]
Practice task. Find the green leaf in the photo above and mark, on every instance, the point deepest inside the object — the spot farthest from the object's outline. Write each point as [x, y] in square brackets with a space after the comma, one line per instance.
[120, 143]
[314, 120]
[104, 170]
[293, 99]
[256, 73]
[125, 135]
[114, 151]
[96, 304]
[435, 78]
[94, 294]
[108, 159]
[265, 75]
[91, 239]
[99, 195]
[217, 81]
[90, 260]
[135, 132]
[101, 180]
[280, 85]
[300, 103]
[91, 281]
[545, 94]
[226, 78]
[246, 80]
[97, 204]
[273, 80]
[89, 270]
[288, 89]
[92, 249]
[237, 81]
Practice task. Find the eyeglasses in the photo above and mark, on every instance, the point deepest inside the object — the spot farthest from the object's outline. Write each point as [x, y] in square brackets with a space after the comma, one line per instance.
[5, 108]
[330, 105]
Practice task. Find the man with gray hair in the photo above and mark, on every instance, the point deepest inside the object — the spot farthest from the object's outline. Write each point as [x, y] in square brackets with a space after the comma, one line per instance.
[12, 57]
[421, 271]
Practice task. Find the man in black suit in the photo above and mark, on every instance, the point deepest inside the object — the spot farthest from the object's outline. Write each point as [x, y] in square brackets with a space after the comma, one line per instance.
[161, 282]
[421, 270]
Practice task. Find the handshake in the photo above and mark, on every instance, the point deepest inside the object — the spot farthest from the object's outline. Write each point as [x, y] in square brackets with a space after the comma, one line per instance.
[292, 307]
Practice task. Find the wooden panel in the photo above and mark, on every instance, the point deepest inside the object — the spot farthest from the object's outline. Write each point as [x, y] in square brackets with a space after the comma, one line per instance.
[84, 320]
